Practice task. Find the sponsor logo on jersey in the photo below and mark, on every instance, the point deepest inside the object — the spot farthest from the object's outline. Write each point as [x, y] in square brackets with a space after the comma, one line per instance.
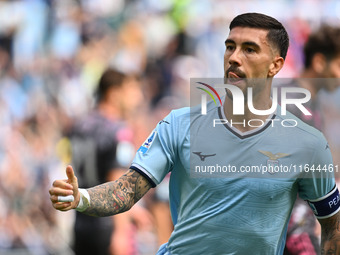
[164, 121]
[203, 157]
[148, 142]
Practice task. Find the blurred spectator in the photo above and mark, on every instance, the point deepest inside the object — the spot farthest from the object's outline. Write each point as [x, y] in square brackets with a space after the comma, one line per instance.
[9, 22]
[321, 72]
[30, 33]
[101, 150]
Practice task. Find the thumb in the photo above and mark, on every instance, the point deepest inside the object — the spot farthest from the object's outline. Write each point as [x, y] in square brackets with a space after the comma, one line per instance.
[70, 174]
[72, 179]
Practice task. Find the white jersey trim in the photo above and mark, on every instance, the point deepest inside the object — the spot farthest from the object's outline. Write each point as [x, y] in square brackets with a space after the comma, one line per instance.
[146, 172]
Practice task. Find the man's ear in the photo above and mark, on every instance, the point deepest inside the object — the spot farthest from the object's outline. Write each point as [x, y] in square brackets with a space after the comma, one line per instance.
[319, 63]
[275, 66]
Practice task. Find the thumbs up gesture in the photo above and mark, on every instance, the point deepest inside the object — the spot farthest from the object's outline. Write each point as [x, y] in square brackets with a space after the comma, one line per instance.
[64, 194]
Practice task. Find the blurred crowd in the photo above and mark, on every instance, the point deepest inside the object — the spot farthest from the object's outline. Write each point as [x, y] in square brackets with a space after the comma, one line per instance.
[52, 53]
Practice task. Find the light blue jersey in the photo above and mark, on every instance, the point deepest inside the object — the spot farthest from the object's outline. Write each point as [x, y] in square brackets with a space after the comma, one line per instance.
[219, 212]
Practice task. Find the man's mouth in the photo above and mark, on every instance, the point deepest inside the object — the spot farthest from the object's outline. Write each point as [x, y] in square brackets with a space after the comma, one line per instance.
[234, 78]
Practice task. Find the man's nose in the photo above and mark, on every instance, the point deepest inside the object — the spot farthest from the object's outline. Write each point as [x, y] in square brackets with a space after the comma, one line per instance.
[235, 58]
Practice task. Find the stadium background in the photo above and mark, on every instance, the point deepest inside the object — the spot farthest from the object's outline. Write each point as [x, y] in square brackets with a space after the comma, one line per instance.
[51, 56]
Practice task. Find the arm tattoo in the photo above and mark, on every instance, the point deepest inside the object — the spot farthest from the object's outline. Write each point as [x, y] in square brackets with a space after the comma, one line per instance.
[117, 196]
[330, 236]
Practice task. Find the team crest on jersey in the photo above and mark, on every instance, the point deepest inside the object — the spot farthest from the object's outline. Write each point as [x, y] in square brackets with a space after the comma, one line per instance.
[272, 164]
[273, 160]
[148, 142]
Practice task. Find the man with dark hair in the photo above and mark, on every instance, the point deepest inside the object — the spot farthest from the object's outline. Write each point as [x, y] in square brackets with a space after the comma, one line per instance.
[324, 41]
[111, 79]
[101, 149]
[321, 72]
[237, 214]
[277, 34]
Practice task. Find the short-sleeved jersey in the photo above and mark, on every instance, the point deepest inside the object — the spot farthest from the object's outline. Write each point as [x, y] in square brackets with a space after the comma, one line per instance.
[239, 212]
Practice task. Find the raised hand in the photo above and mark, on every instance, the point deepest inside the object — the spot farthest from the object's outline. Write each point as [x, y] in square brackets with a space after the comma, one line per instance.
[64, 194]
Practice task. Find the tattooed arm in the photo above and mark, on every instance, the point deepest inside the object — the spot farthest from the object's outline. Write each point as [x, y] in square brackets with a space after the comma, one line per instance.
[330, 235]
[106, 199]
[118, 196]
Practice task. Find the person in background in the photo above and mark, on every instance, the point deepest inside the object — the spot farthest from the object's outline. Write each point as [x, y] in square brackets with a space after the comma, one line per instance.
[101, 146]
[321, 72]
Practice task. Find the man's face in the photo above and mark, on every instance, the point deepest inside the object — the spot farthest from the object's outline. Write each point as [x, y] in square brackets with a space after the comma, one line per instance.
[248, 55]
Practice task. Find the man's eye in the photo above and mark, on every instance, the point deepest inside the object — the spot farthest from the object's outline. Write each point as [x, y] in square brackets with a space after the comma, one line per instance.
[229, 47]
[250, 50]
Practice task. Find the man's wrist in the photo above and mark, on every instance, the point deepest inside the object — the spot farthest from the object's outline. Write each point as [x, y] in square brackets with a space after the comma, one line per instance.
[84, 200]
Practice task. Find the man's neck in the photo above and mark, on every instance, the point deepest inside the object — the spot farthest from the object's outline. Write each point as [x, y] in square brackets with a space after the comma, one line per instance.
[247, 121]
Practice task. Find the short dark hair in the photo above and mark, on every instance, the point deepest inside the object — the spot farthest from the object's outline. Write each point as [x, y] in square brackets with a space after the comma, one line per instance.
[109, 79]
[326, 40]
[277, 34]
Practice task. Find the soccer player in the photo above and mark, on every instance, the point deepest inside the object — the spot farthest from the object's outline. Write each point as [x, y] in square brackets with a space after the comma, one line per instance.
[234, 215]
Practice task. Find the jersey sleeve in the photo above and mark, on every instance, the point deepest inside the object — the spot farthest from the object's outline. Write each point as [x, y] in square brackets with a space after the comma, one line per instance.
[155, 157]
[318, 185]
